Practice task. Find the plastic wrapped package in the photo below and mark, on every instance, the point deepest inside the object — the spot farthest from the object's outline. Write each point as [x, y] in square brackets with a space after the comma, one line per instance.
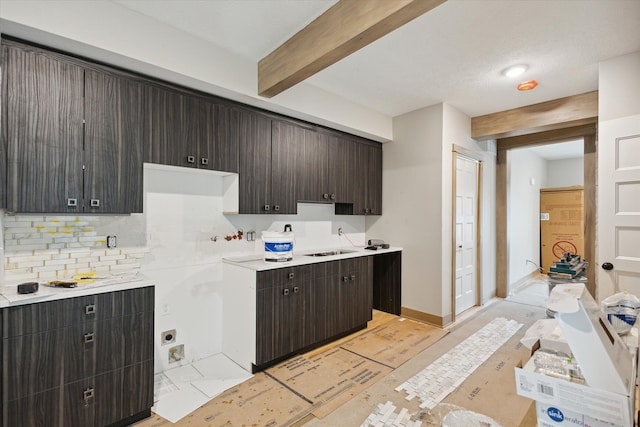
[621, 310]
[449, 415]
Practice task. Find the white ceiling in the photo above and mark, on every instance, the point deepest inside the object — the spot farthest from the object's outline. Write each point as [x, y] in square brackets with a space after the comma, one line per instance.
[452, 54]
[560, 151]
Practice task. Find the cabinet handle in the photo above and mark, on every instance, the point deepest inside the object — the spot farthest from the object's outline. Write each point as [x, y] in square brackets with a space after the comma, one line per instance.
[72, 203]
[345, 278]
[366, 210]
[266, 207]
[191, 159]
[291, 275]
[296, 289]
[276, 208]
[90, 309]
[89, 338]
[95, 203]
[285, 292]
[204, 161]
[325, 196]
[88, 394]
[333, 196]
[353, 277]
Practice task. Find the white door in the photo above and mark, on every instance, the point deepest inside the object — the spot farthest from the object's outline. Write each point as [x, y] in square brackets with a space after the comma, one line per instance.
[618, 229]
[466, 233]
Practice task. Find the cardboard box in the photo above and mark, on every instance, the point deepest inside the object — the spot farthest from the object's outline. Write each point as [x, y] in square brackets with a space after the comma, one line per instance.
[608, 367]
[561, 223]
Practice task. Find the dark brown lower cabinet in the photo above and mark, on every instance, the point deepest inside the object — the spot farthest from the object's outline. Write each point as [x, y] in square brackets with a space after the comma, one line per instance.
[85, 361]
[301, 307]
[387, 275]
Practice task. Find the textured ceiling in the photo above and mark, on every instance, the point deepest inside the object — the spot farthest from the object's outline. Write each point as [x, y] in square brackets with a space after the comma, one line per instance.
[453, 54]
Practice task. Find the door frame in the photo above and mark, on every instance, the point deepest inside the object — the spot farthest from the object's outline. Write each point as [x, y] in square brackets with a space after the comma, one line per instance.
[475, 156]
[589, 134]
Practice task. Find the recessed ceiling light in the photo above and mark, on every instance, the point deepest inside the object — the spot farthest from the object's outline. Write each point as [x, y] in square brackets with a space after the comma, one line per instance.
[515, 70]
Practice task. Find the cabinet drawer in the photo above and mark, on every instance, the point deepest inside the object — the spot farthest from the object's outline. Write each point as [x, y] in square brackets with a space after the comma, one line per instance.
[283, 276]
[33, 318]
[34, 362]
[37, 410]
[105, 399]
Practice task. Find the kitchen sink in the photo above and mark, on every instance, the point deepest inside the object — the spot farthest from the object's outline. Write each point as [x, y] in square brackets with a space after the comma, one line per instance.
[329, 253]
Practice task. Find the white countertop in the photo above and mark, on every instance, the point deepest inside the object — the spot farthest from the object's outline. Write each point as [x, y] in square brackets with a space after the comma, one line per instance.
[256, 261]
[11, 297]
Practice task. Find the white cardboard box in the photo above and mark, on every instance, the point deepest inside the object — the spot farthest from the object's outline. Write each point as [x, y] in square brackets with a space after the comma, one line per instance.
[606, 363]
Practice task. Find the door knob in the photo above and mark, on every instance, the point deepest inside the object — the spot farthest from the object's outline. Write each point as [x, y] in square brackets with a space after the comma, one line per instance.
[607, 266]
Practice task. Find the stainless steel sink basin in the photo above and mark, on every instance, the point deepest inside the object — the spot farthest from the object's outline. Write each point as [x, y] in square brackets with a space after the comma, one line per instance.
[329, 253]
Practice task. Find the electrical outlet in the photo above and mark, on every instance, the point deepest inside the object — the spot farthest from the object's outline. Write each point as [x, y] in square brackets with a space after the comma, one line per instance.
[176, 353]
[168, 337]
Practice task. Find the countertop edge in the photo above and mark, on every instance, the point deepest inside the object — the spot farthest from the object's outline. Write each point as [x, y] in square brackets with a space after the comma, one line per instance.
[302, 259]
[46, 293]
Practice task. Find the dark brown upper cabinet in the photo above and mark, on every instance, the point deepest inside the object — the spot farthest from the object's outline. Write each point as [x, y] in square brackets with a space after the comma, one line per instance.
[315, 185]
[188, 130]
[172, 127]
[269, 153]
[114, 117]
[72, 135]
[42, 130]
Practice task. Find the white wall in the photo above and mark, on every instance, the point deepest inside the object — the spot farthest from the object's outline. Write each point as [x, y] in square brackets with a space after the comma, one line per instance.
[417, 200]
[109, 32]
[565, 172]
[411, 203]
[527, 174]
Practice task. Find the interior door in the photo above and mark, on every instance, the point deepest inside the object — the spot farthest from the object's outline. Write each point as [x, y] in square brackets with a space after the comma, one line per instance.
[466, 233]
[618, 251]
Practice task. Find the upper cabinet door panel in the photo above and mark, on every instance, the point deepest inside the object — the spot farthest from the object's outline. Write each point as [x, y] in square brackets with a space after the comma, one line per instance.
[314, 170]
[114, 131]
[43, 131]
[172, 127]
[255, 162]
[287, 151]
[221, 127]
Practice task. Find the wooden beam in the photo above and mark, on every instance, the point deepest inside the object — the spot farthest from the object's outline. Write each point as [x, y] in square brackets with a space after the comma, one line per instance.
[555, 136]
[344, 28]
[560, 113]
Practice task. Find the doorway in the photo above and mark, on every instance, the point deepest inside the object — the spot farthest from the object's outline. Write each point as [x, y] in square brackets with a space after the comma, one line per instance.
[532, 172]
[466, 221]
[504, 146]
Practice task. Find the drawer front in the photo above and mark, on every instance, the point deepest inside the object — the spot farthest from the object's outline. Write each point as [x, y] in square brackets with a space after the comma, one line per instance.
[33, 363]
[33, 318]
[38, 410]
[283, 276]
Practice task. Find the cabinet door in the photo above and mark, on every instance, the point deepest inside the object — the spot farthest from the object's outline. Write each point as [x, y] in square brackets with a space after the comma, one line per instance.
[327, 296]
[356, 292]
[284, 312]
[220, 139]
[314, 169]
[172, 129]
[346, 177]
[374, 179]
[42, 121]
[255, 163]
[287, 152]
[114, 116]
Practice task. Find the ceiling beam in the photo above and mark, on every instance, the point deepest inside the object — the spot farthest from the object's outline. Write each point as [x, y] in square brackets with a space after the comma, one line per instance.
[344, 28]
[560, 113]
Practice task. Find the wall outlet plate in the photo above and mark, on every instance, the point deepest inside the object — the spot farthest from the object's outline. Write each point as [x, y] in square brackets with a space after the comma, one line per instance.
[168, 337]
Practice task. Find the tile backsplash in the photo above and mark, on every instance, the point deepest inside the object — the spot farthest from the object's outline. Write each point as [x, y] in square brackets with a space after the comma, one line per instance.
[50, 247]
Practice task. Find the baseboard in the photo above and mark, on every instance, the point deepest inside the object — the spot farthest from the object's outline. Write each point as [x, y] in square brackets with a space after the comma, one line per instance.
[431, 319]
